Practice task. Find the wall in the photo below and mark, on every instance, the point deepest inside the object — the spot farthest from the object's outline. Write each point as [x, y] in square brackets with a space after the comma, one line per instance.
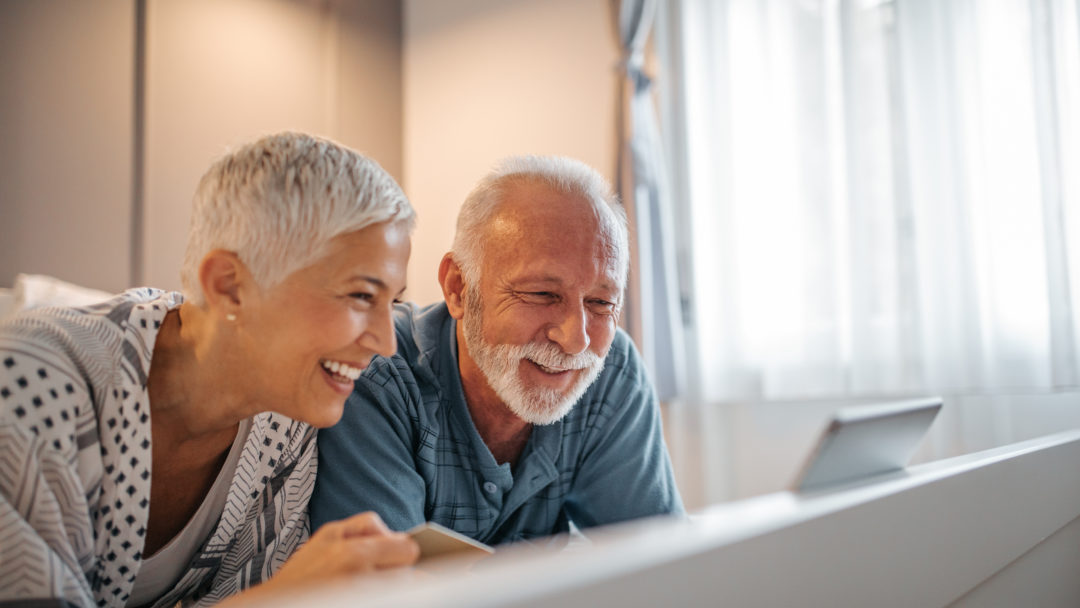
[489, 78]
[222, 73]
[216, 74]
[66, 99]
[436, 101]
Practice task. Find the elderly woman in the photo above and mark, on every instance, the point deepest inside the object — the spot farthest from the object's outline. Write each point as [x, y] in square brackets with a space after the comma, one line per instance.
[160, 448]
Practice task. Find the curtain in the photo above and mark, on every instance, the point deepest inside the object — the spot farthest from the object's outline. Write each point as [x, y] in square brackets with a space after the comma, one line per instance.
[653, 308]
[883, 196]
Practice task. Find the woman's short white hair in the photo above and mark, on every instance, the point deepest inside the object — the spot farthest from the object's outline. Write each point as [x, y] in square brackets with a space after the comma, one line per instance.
[564, 175]
[279, 201]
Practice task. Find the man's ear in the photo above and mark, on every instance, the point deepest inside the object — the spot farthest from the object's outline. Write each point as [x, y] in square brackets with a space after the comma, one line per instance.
[453, 286]
[223, 278]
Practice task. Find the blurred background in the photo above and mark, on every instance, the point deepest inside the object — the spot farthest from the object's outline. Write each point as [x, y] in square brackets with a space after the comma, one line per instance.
[833, 201]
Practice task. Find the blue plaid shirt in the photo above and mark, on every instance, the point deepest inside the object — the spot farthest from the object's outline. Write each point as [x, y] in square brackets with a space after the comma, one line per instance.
[407, 448]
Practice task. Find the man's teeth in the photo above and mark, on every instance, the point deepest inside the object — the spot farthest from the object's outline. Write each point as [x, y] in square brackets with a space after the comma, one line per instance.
[550, 370]
[341, 369]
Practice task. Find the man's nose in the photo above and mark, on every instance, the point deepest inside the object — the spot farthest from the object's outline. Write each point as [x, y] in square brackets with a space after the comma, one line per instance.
[570, 330]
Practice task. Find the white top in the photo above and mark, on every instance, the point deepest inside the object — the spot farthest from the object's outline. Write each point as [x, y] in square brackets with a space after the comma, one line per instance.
[163, 569]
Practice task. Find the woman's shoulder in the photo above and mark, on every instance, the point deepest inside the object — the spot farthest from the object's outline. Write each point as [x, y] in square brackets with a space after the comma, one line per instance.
[87, 343]
[279, 440]
[95, 324]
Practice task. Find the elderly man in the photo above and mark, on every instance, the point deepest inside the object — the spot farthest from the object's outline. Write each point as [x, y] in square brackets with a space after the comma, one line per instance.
[516, 406]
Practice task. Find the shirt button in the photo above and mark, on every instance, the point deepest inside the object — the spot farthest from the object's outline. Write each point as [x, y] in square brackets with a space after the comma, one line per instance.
[490, 487]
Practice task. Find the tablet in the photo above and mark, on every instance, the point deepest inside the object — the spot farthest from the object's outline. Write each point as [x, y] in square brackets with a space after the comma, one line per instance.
[436, 540]
[868, 440]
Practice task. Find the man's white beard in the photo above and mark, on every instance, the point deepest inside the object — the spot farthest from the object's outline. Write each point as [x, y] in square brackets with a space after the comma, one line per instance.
[500, 363]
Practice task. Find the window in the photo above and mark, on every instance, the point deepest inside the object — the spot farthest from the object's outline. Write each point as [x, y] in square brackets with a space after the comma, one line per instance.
[879, 197]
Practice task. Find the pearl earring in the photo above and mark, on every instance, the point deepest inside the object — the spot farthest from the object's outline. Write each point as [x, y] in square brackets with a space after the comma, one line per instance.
[230, 317]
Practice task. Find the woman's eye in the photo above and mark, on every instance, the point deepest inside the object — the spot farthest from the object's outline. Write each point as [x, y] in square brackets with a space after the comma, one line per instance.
[361, 296]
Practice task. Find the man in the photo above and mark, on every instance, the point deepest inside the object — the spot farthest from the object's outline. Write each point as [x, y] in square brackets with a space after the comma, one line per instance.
[517, 405]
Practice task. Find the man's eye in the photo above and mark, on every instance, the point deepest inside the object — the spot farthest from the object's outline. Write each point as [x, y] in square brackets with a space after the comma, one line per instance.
[603, 306]
[539, 295]
[362, 296]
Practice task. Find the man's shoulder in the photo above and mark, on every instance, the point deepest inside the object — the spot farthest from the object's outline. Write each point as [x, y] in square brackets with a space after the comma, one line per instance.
[388, 374]
[622, 384]
[623, 364]
[618, 415]
[410, 371]
[419, 328]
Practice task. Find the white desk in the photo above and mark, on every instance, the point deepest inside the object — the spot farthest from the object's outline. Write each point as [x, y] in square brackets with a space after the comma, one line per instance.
[994, 528]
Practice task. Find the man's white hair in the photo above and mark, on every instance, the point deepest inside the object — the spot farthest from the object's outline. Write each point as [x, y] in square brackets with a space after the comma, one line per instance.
[563, 175]
[278, 202]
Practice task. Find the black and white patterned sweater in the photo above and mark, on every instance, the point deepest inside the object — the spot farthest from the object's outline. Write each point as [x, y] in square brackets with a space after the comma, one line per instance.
[75, 465]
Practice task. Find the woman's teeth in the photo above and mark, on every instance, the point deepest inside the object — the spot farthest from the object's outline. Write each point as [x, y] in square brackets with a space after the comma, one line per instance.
[341, 369]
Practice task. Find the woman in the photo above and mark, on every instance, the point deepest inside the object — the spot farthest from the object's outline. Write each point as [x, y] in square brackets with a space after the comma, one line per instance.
[159, 448]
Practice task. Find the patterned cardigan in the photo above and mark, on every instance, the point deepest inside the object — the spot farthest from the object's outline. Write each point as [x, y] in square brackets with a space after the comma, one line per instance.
[75, 465]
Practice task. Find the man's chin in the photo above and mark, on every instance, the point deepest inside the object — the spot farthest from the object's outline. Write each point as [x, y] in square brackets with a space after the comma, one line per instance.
[541, 414]
[543, 406]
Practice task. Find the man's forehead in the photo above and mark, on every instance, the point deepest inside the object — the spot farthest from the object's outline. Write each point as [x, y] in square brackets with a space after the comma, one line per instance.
[517, 239]
[540, 210]
[539, 275]
[533, 193]
[538, 270]
[537, 227]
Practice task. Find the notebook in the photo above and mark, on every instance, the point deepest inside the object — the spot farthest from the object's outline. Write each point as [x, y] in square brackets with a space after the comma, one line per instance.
[864, 441]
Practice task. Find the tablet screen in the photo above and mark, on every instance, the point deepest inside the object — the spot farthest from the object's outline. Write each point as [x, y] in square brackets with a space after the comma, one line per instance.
[867, 440]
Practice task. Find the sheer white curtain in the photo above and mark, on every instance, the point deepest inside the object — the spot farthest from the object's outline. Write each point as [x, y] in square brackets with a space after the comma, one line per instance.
[882, 196]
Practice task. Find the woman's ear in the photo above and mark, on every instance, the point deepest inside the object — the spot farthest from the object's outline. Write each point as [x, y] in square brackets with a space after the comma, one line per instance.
[223, 276]
[453, 286]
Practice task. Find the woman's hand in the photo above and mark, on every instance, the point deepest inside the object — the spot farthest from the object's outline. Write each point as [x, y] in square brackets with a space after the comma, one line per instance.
[358, 544]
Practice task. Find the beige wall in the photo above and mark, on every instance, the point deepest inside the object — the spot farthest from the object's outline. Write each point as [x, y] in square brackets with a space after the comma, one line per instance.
[436, 103]
[489, 78]
[222, 73]
[66, 99]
